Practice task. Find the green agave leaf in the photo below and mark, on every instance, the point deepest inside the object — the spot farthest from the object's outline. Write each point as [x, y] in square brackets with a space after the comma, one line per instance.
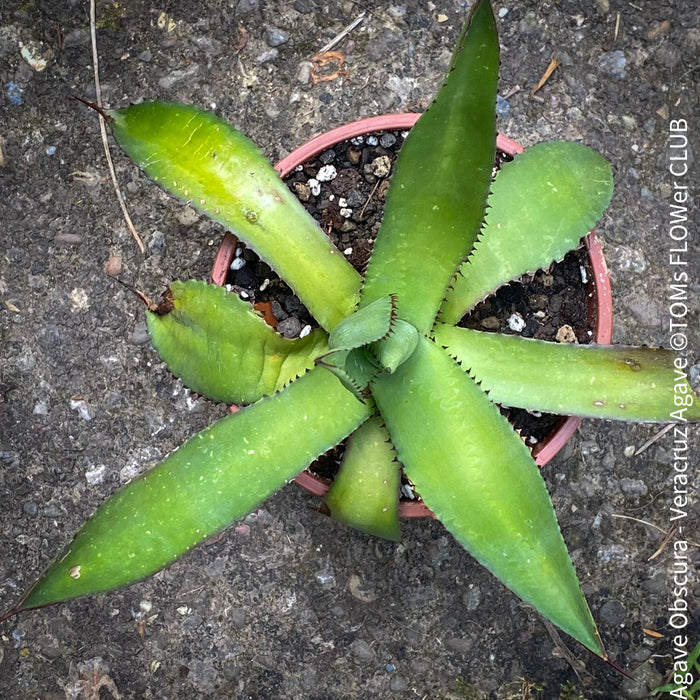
[398, 346]
[354, 368]
[596, 381]
[541, 204]
[479, 479]
[201, 159]
[365, 326]
[216, 477]
[437, 197]
[365, 493]
[222, 349]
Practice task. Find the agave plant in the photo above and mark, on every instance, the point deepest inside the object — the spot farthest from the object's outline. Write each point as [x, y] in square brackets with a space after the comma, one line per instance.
[387, 369]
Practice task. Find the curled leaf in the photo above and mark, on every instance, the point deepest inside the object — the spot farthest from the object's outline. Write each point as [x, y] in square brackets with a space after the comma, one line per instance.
[222, 349]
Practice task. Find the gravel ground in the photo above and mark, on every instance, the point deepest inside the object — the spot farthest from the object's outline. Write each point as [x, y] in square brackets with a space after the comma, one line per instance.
[287, 604]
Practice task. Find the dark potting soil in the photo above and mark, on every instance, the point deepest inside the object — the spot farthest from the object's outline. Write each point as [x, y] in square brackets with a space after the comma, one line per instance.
[344, 189]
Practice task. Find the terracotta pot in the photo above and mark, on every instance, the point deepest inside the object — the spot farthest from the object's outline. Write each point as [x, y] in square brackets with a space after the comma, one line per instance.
[600, 298]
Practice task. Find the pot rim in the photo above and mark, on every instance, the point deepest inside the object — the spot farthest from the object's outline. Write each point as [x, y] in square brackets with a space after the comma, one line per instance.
[600, 300]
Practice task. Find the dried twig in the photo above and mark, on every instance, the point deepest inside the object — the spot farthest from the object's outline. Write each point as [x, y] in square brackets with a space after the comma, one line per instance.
[369, 199]
[562, 651]
[339, 37]
[637, 520]
[653, 439]
[103, 132]
[668, 534]
[617, 27]
[553, 65]
[671, 532]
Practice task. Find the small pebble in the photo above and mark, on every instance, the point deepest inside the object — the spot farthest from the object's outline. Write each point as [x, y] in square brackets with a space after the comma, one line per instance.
[353, 156]
[187, 216]
[277, 311]
[139, 335]
[289, 327]
[408, 492]
[69, 238]
[276, 37]
[314, 186]
[613, 612]
[267, 56]
[303, 75]
[537, 301]
[354, 199]
[96, 475]
[566, 334]
[302, 191]
[381, 166]
[113, 266]
[372, 141]
[169, 81]
[52, 511]
[515, 322]
[326, 173]
[387, 140]
[471, 598]
[237, 263]
[398, 683]
[35, 54]
[238, 618]
[502, 107]
[30, 508]
[490, 323]
[361, 650]
[612, 552]
[14, 93]
[633, 487]
[613, 62]
[644, 677]
[79, 299]
[81, 406]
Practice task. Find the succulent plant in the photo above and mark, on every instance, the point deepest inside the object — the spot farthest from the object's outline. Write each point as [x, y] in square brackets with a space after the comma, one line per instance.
[388, 369]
